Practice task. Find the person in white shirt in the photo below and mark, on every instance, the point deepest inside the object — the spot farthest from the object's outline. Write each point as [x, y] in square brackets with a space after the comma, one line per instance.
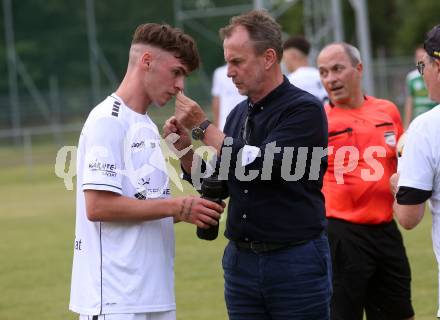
[417, 100]
[301, 74]
[418, 177]
[123, 264]
[225, 96]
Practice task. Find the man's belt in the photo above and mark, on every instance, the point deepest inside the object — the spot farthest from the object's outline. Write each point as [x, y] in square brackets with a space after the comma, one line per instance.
[261, 247]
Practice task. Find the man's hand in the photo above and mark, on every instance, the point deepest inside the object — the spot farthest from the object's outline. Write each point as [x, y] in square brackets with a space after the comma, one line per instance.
[201, 212]
[188, 112]
[181, 140]
[394, 179]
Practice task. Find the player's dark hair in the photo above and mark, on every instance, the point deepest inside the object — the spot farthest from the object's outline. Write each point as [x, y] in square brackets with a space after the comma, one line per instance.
[170, 39]
[432, 42]
[298, 42]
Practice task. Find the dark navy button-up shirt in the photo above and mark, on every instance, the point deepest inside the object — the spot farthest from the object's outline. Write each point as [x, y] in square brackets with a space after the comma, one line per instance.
[272, 209]
[267, 206]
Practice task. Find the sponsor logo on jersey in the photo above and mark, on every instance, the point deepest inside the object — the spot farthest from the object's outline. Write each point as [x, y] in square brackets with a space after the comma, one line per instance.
[152, 193]
[138, 145]
[108, 169]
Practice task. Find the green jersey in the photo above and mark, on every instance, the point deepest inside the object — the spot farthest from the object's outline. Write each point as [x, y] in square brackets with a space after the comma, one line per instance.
[416, 89]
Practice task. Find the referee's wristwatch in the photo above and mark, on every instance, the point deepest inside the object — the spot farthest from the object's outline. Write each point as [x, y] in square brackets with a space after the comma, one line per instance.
[198, 133]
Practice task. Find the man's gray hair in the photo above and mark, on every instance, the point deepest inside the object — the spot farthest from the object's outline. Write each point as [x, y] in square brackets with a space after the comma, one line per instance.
[353, 53]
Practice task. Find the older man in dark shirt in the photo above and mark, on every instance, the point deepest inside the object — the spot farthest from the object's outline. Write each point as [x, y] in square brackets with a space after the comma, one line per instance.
[276, 265]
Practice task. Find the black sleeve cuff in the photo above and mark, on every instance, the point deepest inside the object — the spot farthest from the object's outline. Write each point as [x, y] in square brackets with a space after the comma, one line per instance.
[200, 170]
[188, 177]
[411, 196]
[185, 175]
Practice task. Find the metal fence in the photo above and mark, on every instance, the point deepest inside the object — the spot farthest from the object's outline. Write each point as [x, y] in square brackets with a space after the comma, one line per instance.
[389, 78]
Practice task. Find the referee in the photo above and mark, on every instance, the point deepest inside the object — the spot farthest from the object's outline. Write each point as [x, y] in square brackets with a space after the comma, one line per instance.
[370, 267]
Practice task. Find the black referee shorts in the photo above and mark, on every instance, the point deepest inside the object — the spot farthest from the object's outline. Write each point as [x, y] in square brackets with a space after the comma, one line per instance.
[370, 272]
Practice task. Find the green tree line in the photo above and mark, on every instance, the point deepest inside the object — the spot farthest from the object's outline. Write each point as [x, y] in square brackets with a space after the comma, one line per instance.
[51, 35]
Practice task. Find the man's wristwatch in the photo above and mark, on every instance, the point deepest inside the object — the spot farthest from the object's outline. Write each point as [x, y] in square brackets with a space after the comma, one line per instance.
[198, 132]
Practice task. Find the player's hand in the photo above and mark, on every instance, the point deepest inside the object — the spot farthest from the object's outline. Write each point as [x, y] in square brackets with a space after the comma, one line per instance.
[188, 112]
[181, 140]
[201, 212]
[394, 179]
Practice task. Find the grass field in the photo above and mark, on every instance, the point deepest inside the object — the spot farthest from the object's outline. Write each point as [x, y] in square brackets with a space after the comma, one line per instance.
[36, 247]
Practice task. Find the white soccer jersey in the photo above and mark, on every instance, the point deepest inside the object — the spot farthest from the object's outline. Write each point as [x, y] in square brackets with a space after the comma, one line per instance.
[121, 267]
[225, 89]
[419, 166]
[307, 79]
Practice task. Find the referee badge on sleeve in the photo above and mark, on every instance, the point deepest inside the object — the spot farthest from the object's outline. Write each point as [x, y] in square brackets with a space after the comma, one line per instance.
[390, 138]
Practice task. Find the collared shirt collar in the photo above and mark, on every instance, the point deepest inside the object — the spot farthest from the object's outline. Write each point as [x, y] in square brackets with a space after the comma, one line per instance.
[332, 105]
[270, 97]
